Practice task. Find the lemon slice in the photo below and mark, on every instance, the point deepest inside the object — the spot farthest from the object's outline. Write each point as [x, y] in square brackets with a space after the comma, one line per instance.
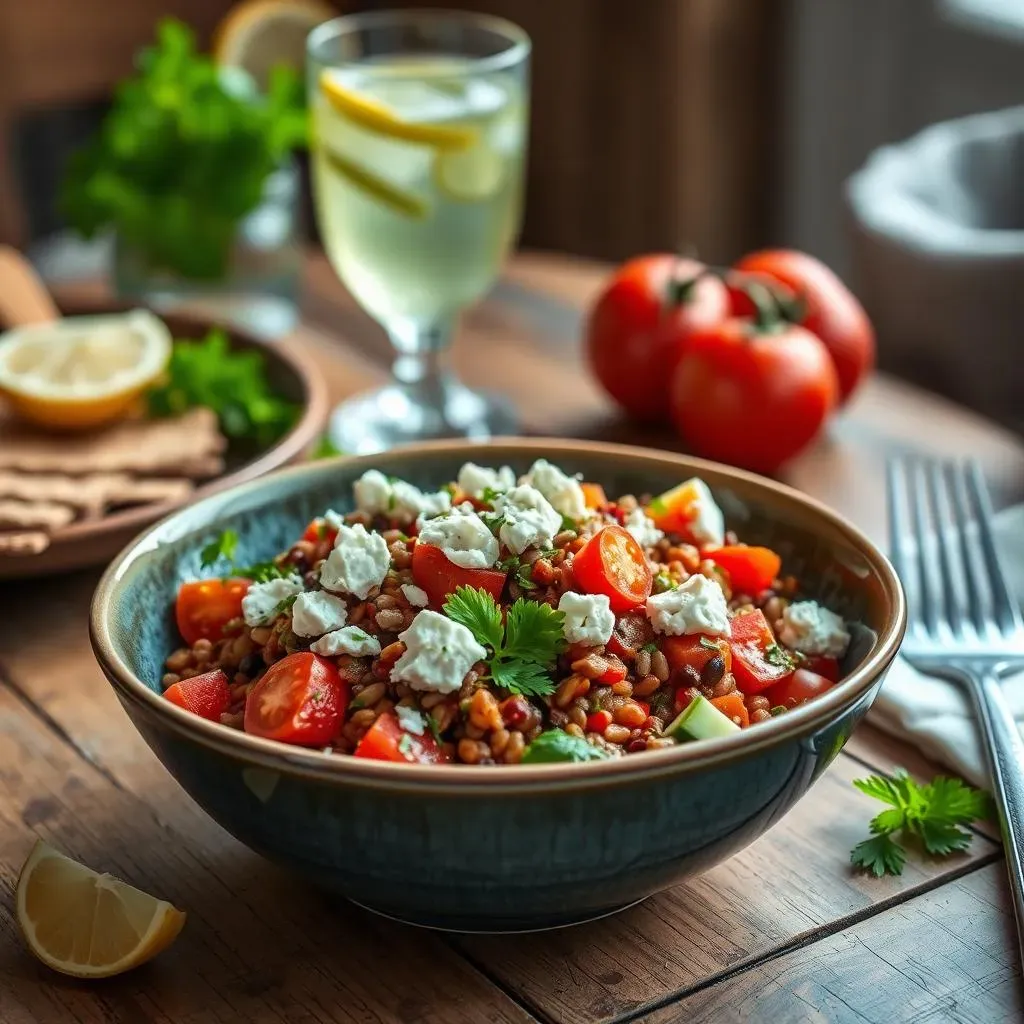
[408, 204]
[81, 372]
[375, 116]
[89, 925]
[257, 34]
[470, 176]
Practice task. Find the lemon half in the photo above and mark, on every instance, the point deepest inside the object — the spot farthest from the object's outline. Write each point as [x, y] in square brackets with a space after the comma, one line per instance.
[81, 372]
[89, 925]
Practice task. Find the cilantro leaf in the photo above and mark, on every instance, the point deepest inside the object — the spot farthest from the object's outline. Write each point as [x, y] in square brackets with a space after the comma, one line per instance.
[556, 745]
[325, 448]
[223, 546]
[479, 613]
[952, 802]
[533, 632]
[879, 855]
[523, 677]
[940, 839]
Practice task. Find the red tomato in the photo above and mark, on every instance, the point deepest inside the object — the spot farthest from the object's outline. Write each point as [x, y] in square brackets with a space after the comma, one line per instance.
[432, 571]
[753, 397]
[598, 721]
[824, 666]
[205, 607]
[750, 569]
[695, 652]
[300, 699]
[207, 696]
[640, 325]
[386, 740]
[832, 311]
[318, 530]
[802, 685]
[615, 672]
[757, 660]
[612, 563]
[593, 495]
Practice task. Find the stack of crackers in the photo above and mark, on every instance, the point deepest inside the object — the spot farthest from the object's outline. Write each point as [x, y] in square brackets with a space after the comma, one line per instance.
[49, 481]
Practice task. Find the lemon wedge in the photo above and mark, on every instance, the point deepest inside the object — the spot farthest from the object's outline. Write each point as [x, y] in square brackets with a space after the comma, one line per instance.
[81, 372]
[471, 175]
[89, 925]
[407, 204]
[378, 117]
[257, 34]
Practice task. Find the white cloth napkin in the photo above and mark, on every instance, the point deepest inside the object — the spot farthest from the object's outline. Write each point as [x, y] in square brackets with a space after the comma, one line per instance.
[933, 714]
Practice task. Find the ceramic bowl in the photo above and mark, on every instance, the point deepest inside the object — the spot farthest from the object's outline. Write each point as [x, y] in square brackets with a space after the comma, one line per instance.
[496, 848]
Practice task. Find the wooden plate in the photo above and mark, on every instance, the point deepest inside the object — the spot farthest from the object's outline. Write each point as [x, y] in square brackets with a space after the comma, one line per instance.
[95, 541]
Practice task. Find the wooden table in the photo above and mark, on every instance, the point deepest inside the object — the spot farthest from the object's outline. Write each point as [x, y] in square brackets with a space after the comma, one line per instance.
[783, 932]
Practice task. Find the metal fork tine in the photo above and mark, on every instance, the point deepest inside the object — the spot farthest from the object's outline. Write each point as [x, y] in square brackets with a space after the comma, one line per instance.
[918, 496]
[899, 528]
[972, 572]
[942, 521]
[1004, 606]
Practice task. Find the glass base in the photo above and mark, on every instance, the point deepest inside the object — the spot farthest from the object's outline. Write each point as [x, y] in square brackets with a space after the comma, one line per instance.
[400, 413]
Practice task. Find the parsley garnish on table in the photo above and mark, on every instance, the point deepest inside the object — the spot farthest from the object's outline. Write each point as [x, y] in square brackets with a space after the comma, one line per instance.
[524, 648]
[183, 156]
[930, 814]
[232, 383]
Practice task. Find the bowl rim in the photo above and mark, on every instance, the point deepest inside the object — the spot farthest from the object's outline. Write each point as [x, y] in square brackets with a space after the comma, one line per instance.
[335, 769]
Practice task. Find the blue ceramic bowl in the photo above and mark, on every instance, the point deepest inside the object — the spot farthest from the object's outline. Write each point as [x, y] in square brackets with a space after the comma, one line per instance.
[495, 848]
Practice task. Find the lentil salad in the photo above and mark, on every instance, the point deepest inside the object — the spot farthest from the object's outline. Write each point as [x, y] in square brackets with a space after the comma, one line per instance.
[502, 621]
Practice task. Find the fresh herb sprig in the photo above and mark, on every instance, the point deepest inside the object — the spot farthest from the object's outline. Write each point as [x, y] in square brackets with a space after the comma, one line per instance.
[930, 814]
[183, 155]
[223, 548]
[524, 647]
[233, 384]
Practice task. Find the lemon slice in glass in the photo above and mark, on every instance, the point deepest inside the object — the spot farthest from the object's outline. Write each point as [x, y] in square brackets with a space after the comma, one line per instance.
[470, 176]
[89, 925]
[407, 204]
[81, 372]
[377, 116]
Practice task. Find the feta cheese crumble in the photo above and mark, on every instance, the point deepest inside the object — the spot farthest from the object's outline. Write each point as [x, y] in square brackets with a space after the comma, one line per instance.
[358, 563]
[464, 538]
[809, 628]
[416, 596]
[474, 480]
[708, 524]
[376, 495]
[317, 612]
[528, 519]
[696, 606]
[562, 491]
[348, 640]
[262, 600]
[589, 618]
[438, 654]
[641, 528]
[411, 720]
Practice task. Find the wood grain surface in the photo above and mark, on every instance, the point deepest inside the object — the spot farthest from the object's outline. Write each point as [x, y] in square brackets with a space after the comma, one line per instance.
[783, 932]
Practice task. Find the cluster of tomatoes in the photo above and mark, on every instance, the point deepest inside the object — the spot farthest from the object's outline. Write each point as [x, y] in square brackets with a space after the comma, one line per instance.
[748, 363]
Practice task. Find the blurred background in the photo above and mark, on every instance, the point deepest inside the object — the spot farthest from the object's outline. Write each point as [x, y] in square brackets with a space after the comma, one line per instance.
[716, 126]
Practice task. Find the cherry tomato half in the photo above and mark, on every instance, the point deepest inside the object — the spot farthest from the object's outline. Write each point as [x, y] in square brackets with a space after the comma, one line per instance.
[613, 563]
[205, 607]
[750, 569]
[641, 323]
[386, 740]
[802, 685]
[300, 699]
[207, 696]
[758, 662]
[434, 573]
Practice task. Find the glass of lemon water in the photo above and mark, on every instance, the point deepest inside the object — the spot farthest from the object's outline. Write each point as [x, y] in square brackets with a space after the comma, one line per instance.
[419, 140]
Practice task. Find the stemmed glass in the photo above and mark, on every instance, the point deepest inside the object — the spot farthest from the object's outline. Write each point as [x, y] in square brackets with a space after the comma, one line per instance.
[419, 141]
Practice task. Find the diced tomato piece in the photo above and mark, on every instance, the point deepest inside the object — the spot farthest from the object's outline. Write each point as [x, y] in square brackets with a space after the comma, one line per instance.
[207, 696]
[593, 495]
[204, 607]
[613, 563]
[684, 697]
[801, 686]
[614, 673]
[318, 530]
[824, 666]
[434, 573]
[631, 633]
[676, 509]
[598, 721]
[757, 660]
[386, 740]
[750, 569]
[733, 707]
[300, 699]
[695, 651]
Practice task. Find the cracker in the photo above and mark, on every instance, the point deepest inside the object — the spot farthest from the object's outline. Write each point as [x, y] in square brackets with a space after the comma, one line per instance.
[29, 515]
[187, 445]
[23, 542]
[93, 494]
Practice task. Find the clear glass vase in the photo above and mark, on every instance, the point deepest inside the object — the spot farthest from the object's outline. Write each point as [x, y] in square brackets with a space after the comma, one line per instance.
[259, 291]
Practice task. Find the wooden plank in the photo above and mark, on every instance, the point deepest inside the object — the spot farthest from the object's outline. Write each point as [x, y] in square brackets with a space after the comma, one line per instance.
[947, 956]
[785, 888]
[259, 945]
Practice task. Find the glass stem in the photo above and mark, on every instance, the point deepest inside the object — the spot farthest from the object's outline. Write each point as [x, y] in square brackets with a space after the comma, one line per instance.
[422, 362]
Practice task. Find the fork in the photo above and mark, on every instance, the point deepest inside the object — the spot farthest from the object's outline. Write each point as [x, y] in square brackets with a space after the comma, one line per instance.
[964, 624]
